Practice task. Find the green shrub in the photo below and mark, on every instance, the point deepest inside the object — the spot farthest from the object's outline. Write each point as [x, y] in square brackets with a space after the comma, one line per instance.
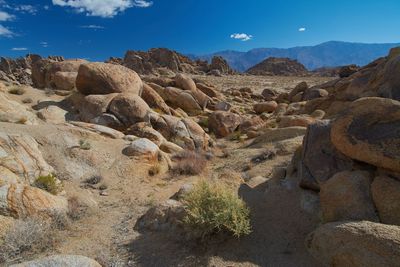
[48, 183]
[84, 144]
[212, 208]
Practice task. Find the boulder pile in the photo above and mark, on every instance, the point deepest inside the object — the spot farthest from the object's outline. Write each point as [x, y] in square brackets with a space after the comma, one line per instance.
[278, 66]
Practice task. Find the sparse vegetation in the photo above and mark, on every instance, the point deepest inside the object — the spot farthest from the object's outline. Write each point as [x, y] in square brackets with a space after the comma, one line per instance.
[212, 208]
[48, 183]
[189, 163]
[17, 90]
[76, 209]
[26, 238]
[94, 179]
[84, 144]
[27, 100]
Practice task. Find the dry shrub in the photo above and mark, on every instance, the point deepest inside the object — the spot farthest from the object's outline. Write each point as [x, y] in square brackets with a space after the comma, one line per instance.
[76, 208]
[214, 207]
[17, 91]
[189, 163]
[26, 238]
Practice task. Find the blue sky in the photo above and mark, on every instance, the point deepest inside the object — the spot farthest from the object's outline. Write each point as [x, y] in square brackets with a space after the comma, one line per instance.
[97, 29]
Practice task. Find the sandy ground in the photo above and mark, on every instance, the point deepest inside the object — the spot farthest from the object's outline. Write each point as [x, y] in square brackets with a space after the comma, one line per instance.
[279, 222]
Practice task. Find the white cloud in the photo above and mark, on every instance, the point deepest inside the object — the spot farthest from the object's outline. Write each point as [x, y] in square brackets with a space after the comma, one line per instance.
[94, 27]
[242, 36]
[5, 32]
[142, 3]
[46, 7]
[26, 9]
[4, 16]
[302, 29]
[19, 49]
[101, 8]
[44, 44]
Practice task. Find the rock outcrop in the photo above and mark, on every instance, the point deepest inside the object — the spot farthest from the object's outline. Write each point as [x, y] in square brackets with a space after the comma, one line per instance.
[278, 66]
[363, 244]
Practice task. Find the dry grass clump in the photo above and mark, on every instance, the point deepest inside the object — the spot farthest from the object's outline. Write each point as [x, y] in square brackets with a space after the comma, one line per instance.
[212, 208]
[26, 238]
[189, 163]
[17, 90]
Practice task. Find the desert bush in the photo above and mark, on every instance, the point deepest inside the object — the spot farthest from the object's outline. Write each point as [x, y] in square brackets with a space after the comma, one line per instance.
[27, 100]
[94, 179]
[17, 91]
[212, 208]
[189, 163]
[25, 238]
[48, 183]
[154, 170]
[84, 144]
[76, 210]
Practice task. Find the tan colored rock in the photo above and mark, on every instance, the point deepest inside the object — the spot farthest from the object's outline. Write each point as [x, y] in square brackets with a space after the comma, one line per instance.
[358, 244]
[60, 260]
[300, 88]
[129, 108]
[13, 112]
[52, 114]
[6, 223]
[386, 196]
[295, 120]
[208, 90]
[346, 197]
[223, 123]
[20, 155]
[154, 100]
[21, 201]
[185, 82]
[65, 80]
[100, 129]
[104, 78]
[368, 134]
[269, 106]
[178, 98]
[143, 148]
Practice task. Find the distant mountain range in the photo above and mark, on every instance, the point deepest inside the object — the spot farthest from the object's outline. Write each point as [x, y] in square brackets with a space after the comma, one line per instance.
[329, 54]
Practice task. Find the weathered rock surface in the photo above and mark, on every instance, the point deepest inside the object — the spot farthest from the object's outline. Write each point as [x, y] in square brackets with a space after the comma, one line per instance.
[21, 201]
[320, 159]
[129, 108]
[386, 196]
[144, 148]
[13, 112]
[220, 64]
[20, 155]
[104, 78]
[361, 244]
[346, 197]
[268, 106]
[368, 134]
[223, 123]
[154, 100]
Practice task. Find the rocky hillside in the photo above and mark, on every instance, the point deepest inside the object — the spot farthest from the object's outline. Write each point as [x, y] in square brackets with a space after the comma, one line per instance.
[278, 66]
[102, 167]
[162, 61]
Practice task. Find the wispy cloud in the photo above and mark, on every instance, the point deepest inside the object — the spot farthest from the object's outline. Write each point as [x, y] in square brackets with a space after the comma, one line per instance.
[29, 9]
[19, 49]
[242, 36]
[5, 32]
[142, 3]
[302, 29]
[101, 8]
[44, 44]
[4, 16]
[94, 27]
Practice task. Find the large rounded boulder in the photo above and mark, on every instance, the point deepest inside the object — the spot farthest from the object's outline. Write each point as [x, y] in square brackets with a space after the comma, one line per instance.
[104, 78]
[359, 244]
[129, 108]
[369, 132]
